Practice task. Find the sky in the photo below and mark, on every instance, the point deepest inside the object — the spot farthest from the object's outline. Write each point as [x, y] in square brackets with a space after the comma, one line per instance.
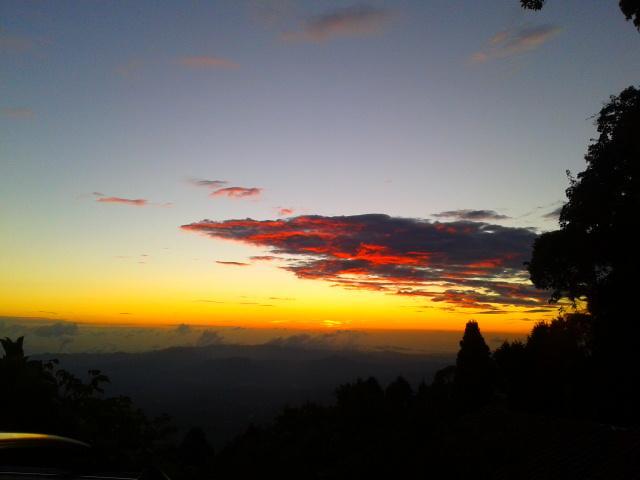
[292, 165]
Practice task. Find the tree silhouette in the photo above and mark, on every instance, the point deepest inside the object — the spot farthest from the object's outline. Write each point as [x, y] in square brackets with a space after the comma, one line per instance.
[27, 389]
[195, 448]
[551, 372]
[37, 396]
[594, 255]
[195, 456]
[512, 361]
[473, 380]
[438, 431]
[629, 8]
[13, 351]
[398, 394]
[362, 397]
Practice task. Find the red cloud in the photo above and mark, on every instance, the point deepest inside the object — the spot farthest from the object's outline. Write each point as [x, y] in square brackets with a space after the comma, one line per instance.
[467, 264]
[237, 192]
[137, 202]
[285, 212]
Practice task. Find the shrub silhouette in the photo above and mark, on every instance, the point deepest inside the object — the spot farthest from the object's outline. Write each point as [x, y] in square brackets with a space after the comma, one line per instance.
[39, 397]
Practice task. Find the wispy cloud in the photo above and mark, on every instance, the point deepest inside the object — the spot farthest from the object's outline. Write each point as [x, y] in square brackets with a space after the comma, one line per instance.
[219, 189]
[471, 215]
[508, 43]
[554, 214]
[60, 334]
[136, 202]
[17, 112]
[461, 263]
[265, 258]
[548, 309]
[58, 329]
[204, 62]
[345, 22]
[338, 339]
[237, 192]
[234, 264]
[285, 212]
[213, 184]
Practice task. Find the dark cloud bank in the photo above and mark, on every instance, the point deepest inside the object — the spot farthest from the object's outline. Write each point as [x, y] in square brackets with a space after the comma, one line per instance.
[462, 263]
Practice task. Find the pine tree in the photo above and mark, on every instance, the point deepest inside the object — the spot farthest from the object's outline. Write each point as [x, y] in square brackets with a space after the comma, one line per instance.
[474, 375]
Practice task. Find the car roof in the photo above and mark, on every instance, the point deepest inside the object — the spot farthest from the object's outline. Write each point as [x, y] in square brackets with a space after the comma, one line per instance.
[21, 440]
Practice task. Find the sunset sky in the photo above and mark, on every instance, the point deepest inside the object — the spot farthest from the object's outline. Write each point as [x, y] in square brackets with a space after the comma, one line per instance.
[290, 164]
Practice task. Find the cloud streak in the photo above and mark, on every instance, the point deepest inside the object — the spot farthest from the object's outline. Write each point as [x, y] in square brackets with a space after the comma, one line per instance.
[474, 215]
[136, 202]
[58, 329]
[213, 184]
[513, 42]
[220, 190]
[234, 264]
[461, 263]
[339, 339]
[265, 258]
[345, 22]
[554, 214]
[237, 192]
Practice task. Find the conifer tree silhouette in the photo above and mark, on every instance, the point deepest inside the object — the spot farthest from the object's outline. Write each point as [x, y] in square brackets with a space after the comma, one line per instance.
[473, 380]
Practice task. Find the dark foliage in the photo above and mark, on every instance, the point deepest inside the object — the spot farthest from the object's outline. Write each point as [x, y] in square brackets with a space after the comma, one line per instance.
[550, 372]
[38, 397]
[532, 4]
[629, 8]
[521, 412]
[490, 416]
[594, 256]
[370, 431]
[474, 373]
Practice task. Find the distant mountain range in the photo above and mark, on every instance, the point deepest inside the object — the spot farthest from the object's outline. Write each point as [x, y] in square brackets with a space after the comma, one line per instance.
[224, 388]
